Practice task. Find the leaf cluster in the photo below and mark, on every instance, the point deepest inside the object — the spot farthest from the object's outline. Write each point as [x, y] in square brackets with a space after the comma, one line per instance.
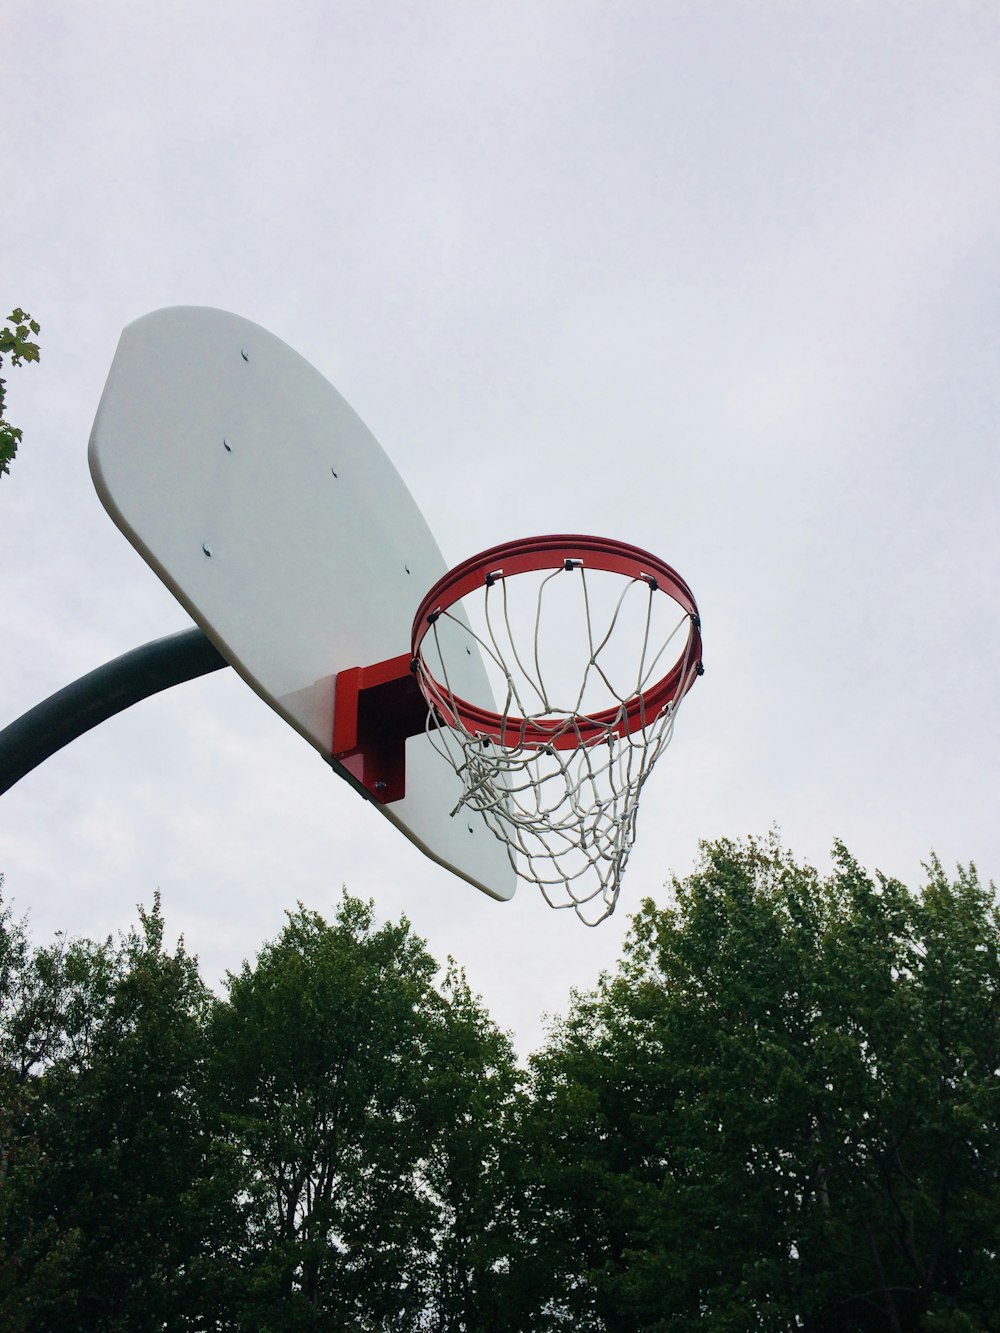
[16, 343]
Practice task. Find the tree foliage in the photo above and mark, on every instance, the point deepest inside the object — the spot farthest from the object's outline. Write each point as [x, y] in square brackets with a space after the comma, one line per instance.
[320, 1149]
[16, 343]
[363, 1099]
[114, 1166]
[781, 1112]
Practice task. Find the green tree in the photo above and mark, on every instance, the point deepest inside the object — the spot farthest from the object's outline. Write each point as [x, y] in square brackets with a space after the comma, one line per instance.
[120, 1205]
[366, 1101]
[16, 343]
[328, 1148]
[35, 1256]
[470, 1165]
[780, 1112]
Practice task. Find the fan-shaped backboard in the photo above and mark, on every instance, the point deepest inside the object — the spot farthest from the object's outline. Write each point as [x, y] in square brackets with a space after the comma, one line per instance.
[268, 508]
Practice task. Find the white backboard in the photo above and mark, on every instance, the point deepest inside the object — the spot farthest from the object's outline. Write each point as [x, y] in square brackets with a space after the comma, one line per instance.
[269, 509]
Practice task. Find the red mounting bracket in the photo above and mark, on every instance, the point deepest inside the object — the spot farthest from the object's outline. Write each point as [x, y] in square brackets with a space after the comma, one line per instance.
[375, 709]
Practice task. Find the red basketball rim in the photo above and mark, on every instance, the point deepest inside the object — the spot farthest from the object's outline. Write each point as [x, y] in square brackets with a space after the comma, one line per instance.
[559, 552]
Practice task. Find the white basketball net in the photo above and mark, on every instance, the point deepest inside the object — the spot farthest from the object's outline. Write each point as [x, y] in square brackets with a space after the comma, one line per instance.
[567, 816]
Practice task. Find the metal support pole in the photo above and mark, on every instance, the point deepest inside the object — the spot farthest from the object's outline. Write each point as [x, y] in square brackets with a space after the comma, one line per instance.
[102, 693]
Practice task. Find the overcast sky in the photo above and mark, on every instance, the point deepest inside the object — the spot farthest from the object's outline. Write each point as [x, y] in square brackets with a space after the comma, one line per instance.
[719, 279]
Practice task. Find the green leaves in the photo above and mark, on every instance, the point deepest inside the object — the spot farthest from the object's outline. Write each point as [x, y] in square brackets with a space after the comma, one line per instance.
[15, 343]
[322, 1148]
[781, 1111]
[364, 1101]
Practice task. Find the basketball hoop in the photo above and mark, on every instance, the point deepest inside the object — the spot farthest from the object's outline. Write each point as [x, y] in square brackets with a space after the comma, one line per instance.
[555, 779]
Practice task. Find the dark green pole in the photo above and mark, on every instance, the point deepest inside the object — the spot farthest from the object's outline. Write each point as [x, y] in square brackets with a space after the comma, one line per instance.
[101, 694]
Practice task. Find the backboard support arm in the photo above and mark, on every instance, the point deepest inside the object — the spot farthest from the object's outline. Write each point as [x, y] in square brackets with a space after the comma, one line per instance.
[376, 710]
[110, 689]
